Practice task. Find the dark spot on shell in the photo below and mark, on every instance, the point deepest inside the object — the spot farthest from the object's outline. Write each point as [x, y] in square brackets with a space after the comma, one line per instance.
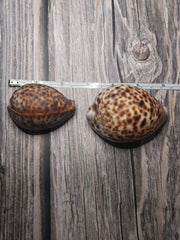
[97, 126]
[117, 87]
[120, 137]
[121, 106]
[108, 115]
[129, 120]
[104, 106]
[130, 87]
[143, 123]
[122, 113]
[135, 128]
[135, 102]
[141, 104]
[135, 97]
[124, 132]
[46, 109]
[136, 118]
[42, 103]
[110, 135]
[145, 114]
[54, 105]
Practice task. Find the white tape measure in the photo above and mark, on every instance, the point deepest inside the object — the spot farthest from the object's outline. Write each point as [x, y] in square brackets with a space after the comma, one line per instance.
[55, 84]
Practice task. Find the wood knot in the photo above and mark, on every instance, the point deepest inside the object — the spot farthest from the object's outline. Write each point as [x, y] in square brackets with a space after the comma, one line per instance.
[141, 51]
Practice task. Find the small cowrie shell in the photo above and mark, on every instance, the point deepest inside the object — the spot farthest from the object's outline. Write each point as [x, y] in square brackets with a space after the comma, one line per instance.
[37, 108]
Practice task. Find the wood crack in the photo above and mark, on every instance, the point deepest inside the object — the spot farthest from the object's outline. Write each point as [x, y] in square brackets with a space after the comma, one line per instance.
[96, 205]
[97, 222]
[121, 220]
[45, 191]
[119, 70]
[113, 26]
[84, 204]
[134, 192]
[138, 18]
[120, 201]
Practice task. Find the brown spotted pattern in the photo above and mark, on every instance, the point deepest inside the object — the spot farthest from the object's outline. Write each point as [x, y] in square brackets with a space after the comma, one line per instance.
[125, 114]
[37, 107]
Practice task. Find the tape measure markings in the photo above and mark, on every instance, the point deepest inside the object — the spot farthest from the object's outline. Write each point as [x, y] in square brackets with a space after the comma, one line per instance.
[150, 86]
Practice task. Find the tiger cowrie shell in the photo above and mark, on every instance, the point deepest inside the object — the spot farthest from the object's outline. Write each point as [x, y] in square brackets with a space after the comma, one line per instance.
[38, 108]
[125, 114]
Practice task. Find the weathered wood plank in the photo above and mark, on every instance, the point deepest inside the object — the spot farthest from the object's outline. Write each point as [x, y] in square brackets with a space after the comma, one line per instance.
[85, 182]
[24, 160]
[158, 205]
[156, 180]
[98, 191]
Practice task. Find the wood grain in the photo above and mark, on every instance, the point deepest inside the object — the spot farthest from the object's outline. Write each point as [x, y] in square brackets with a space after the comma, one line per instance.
[24, 158]
[70, 184]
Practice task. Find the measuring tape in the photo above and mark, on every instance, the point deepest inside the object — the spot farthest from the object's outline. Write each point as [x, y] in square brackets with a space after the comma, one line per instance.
[55, 84]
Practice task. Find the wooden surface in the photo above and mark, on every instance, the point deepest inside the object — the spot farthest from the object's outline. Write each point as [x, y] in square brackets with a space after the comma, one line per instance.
[70, 184]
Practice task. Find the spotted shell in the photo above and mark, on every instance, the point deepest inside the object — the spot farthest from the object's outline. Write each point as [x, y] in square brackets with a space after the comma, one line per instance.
[38, 108]
[125, 114]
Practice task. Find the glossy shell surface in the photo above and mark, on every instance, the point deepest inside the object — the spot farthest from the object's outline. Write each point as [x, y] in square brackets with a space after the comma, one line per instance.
[39, 108]
[125, 114]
